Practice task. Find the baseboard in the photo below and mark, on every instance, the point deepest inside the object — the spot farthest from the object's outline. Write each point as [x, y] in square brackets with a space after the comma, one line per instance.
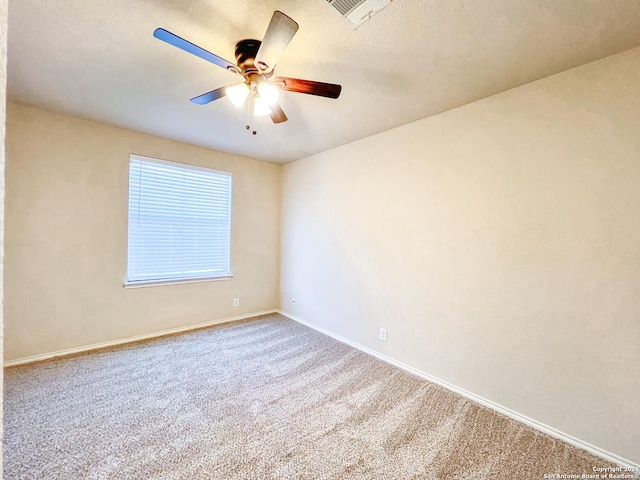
[478, 399]
[135, 338]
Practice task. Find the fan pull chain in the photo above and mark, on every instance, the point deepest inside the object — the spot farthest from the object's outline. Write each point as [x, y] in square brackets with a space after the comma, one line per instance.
[249, 110]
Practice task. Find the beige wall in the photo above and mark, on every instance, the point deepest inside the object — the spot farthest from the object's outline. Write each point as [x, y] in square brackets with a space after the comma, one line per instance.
[498, 243]
[3, 96]
[66, 237]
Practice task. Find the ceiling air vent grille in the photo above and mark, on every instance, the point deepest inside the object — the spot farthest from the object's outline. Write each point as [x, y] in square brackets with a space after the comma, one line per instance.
[356, 12]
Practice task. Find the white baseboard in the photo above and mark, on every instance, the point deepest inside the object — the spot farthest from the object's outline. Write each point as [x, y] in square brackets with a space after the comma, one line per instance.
[135, 338]
[478, 399]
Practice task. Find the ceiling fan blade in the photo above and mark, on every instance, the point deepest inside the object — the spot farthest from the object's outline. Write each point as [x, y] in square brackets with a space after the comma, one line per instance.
[210, 96]
[279, 33]
[277, 115]
[187, 46]
[329, 90]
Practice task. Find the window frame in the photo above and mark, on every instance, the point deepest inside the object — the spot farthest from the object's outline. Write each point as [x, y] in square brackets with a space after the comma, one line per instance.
[181, 280]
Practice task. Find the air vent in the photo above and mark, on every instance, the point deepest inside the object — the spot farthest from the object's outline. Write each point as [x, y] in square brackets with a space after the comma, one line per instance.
[356, 12]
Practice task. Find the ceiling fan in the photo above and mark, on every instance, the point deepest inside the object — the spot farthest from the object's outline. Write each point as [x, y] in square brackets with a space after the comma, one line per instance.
[256, 61]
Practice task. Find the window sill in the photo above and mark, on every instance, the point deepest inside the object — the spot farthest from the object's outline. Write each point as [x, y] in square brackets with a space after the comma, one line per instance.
[175, 281]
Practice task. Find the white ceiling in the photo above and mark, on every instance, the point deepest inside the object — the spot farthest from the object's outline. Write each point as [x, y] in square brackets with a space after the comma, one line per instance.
[98, 60]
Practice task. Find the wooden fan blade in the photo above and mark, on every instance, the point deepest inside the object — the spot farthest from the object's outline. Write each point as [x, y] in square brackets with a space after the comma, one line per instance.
[279, 33]
[210, 96]
[187, 46]
[277, 115]
[329, 90]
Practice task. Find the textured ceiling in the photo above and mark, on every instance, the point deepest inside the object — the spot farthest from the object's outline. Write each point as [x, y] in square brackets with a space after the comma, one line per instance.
[98, 60]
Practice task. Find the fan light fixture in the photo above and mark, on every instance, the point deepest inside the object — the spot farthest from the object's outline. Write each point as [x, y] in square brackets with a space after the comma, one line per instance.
[260, 106]
[269, 93]
[238, 93]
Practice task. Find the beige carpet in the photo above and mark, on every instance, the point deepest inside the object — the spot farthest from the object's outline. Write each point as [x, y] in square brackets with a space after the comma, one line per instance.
[265, 399]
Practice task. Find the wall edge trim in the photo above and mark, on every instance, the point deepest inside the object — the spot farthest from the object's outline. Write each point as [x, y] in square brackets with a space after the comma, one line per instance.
[132, 339]
[576, 442]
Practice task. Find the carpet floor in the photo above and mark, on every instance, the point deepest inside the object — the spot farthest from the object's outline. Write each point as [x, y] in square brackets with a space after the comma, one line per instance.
[260, 399]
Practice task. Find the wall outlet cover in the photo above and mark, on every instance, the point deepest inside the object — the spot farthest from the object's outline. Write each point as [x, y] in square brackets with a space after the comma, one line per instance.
[383, 334]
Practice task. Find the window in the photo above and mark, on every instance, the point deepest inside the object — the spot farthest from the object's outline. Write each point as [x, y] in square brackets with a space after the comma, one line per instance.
[179, 223]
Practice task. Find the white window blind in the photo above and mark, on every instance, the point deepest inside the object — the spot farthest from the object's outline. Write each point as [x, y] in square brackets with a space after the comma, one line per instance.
[179, 222]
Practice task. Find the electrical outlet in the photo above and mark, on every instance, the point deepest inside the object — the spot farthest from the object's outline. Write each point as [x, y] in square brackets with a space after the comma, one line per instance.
[293, 300]
[383, 334]
[236, 302]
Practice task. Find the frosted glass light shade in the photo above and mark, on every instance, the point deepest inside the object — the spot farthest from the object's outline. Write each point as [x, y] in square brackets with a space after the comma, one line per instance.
[260, 106]
[237, 93]
[269, 93]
